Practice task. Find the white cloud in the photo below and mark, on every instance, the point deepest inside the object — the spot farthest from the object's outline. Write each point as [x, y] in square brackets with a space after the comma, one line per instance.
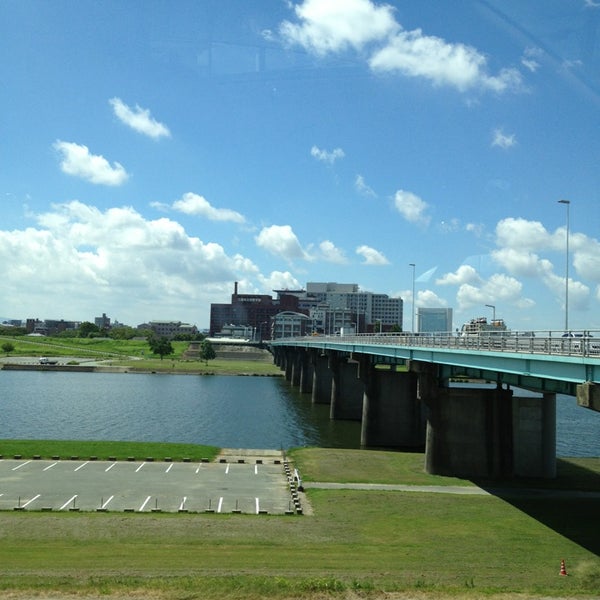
[530, 58]
[475, 228]
[362, 187]
[586, 256]
[371, 256]
[503, 140]
[279, 280]
[139, 119]
[498, 289]
[76, 160]
[520, 244]
[520, 233]
[327, 156]
[280, 240]
[523, 263]
[332, 26]
[411, 207]
[464, 274]
[79, 260]
[456, 65]
[193, 204]
[429, 299]
[329, 252]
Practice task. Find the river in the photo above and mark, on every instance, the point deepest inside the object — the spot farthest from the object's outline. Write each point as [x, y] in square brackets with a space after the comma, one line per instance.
[226, 411]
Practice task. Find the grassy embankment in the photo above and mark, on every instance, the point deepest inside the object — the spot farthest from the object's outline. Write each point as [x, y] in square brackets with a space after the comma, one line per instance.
[358, 544]
[134, 356]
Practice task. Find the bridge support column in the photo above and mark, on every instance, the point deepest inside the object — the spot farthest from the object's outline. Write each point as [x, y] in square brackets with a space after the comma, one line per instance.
[296, 366]
[346, 389]
[306, 371]
[392, 415]
[534, 427]
[288, 362]
[321, 382]
[469, 433]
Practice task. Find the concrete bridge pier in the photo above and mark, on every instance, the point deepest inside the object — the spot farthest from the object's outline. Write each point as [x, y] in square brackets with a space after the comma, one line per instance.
[306, 371]
[469, 433]
[392, 416]
[288, 363]
[534, 432]
[346, 390]
[296, 359]
[321, 382]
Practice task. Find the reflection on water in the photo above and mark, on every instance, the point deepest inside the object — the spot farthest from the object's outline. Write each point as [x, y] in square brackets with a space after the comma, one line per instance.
[243, 412]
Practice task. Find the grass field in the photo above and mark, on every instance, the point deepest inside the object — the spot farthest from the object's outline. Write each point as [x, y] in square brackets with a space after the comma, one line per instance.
[135, 356]
[358, 544]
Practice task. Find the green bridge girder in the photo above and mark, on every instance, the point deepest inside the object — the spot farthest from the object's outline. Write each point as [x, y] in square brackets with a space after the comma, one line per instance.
[534, 371]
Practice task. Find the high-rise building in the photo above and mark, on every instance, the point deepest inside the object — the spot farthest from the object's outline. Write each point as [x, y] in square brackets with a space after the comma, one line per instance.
[434, 320]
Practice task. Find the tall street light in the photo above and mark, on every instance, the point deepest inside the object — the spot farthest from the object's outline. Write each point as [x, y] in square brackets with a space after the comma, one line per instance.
[412, 328]
[493, 311]
[568, 204]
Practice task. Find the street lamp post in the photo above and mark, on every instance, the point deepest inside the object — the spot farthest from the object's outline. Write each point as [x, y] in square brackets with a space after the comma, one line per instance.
[412, 327]
[568, 205]
[493, 311]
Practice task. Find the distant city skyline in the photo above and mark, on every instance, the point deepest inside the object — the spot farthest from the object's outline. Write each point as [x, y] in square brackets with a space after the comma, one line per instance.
[153, 154]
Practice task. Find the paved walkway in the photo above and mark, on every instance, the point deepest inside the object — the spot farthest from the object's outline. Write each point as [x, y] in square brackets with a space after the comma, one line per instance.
[455, 489]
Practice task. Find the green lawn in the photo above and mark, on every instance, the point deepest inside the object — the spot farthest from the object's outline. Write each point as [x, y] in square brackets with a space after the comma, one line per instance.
[358, 544]
[135, 356]
[103, 450]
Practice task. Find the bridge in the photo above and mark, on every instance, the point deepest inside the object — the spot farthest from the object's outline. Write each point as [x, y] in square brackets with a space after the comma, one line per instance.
[405, 389]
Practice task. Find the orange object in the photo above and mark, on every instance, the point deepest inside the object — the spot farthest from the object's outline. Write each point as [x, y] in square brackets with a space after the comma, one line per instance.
[563, 568]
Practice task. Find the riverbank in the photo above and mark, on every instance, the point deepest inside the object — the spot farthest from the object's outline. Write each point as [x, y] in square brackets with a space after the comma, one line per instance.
[368, 544]
[75, 364]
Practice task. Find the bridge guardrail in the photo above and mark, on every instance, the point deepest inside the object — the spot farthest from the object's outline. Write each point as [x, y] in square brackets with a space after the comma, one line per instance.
[531, 342]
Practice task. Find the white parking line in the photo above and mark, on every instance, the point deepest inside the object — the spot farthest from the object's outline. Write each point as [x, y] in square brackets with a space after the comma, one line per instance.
[140, 467]
[198, 469]
[256, 469]
[71, 499]
[50, 466]
[220, 504]
[169, 467]
[109, 467]
[82, 465]
[257, 506]
[30, 501]
[182, 505]
[105, 504]
[21, 465]
[227, 469]
[143, 506]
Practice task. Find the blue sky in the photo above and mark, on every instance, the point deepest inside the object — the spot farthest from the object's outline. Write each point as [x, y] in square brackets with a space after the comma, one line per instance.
[152, 153]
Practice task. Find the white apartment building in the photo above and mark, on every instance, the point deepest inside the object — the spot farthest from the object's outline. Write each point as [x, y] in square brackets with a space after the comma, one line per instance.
[368, 308]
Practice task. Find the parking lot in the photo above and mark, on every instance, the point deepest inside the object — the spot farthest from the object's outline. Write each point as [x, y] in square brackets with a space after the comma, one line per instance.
[254, 486]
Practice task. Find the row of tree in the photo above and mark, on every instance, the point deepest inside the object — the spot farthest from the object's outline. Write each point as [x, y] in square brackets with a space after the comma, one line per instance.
[91, 330]
[163, 347]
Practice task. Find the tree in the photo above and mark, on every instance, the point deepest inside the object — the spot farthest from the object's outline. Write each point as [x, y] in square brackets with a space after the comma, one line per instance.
[207, 352]
[86, 329]
[161, 346]
[8, 347]
[123, 333]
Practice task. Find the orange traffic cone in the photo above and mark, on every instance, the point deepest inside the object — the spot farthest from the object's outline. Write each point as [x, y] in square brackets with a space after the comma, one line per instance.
[563, 569]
